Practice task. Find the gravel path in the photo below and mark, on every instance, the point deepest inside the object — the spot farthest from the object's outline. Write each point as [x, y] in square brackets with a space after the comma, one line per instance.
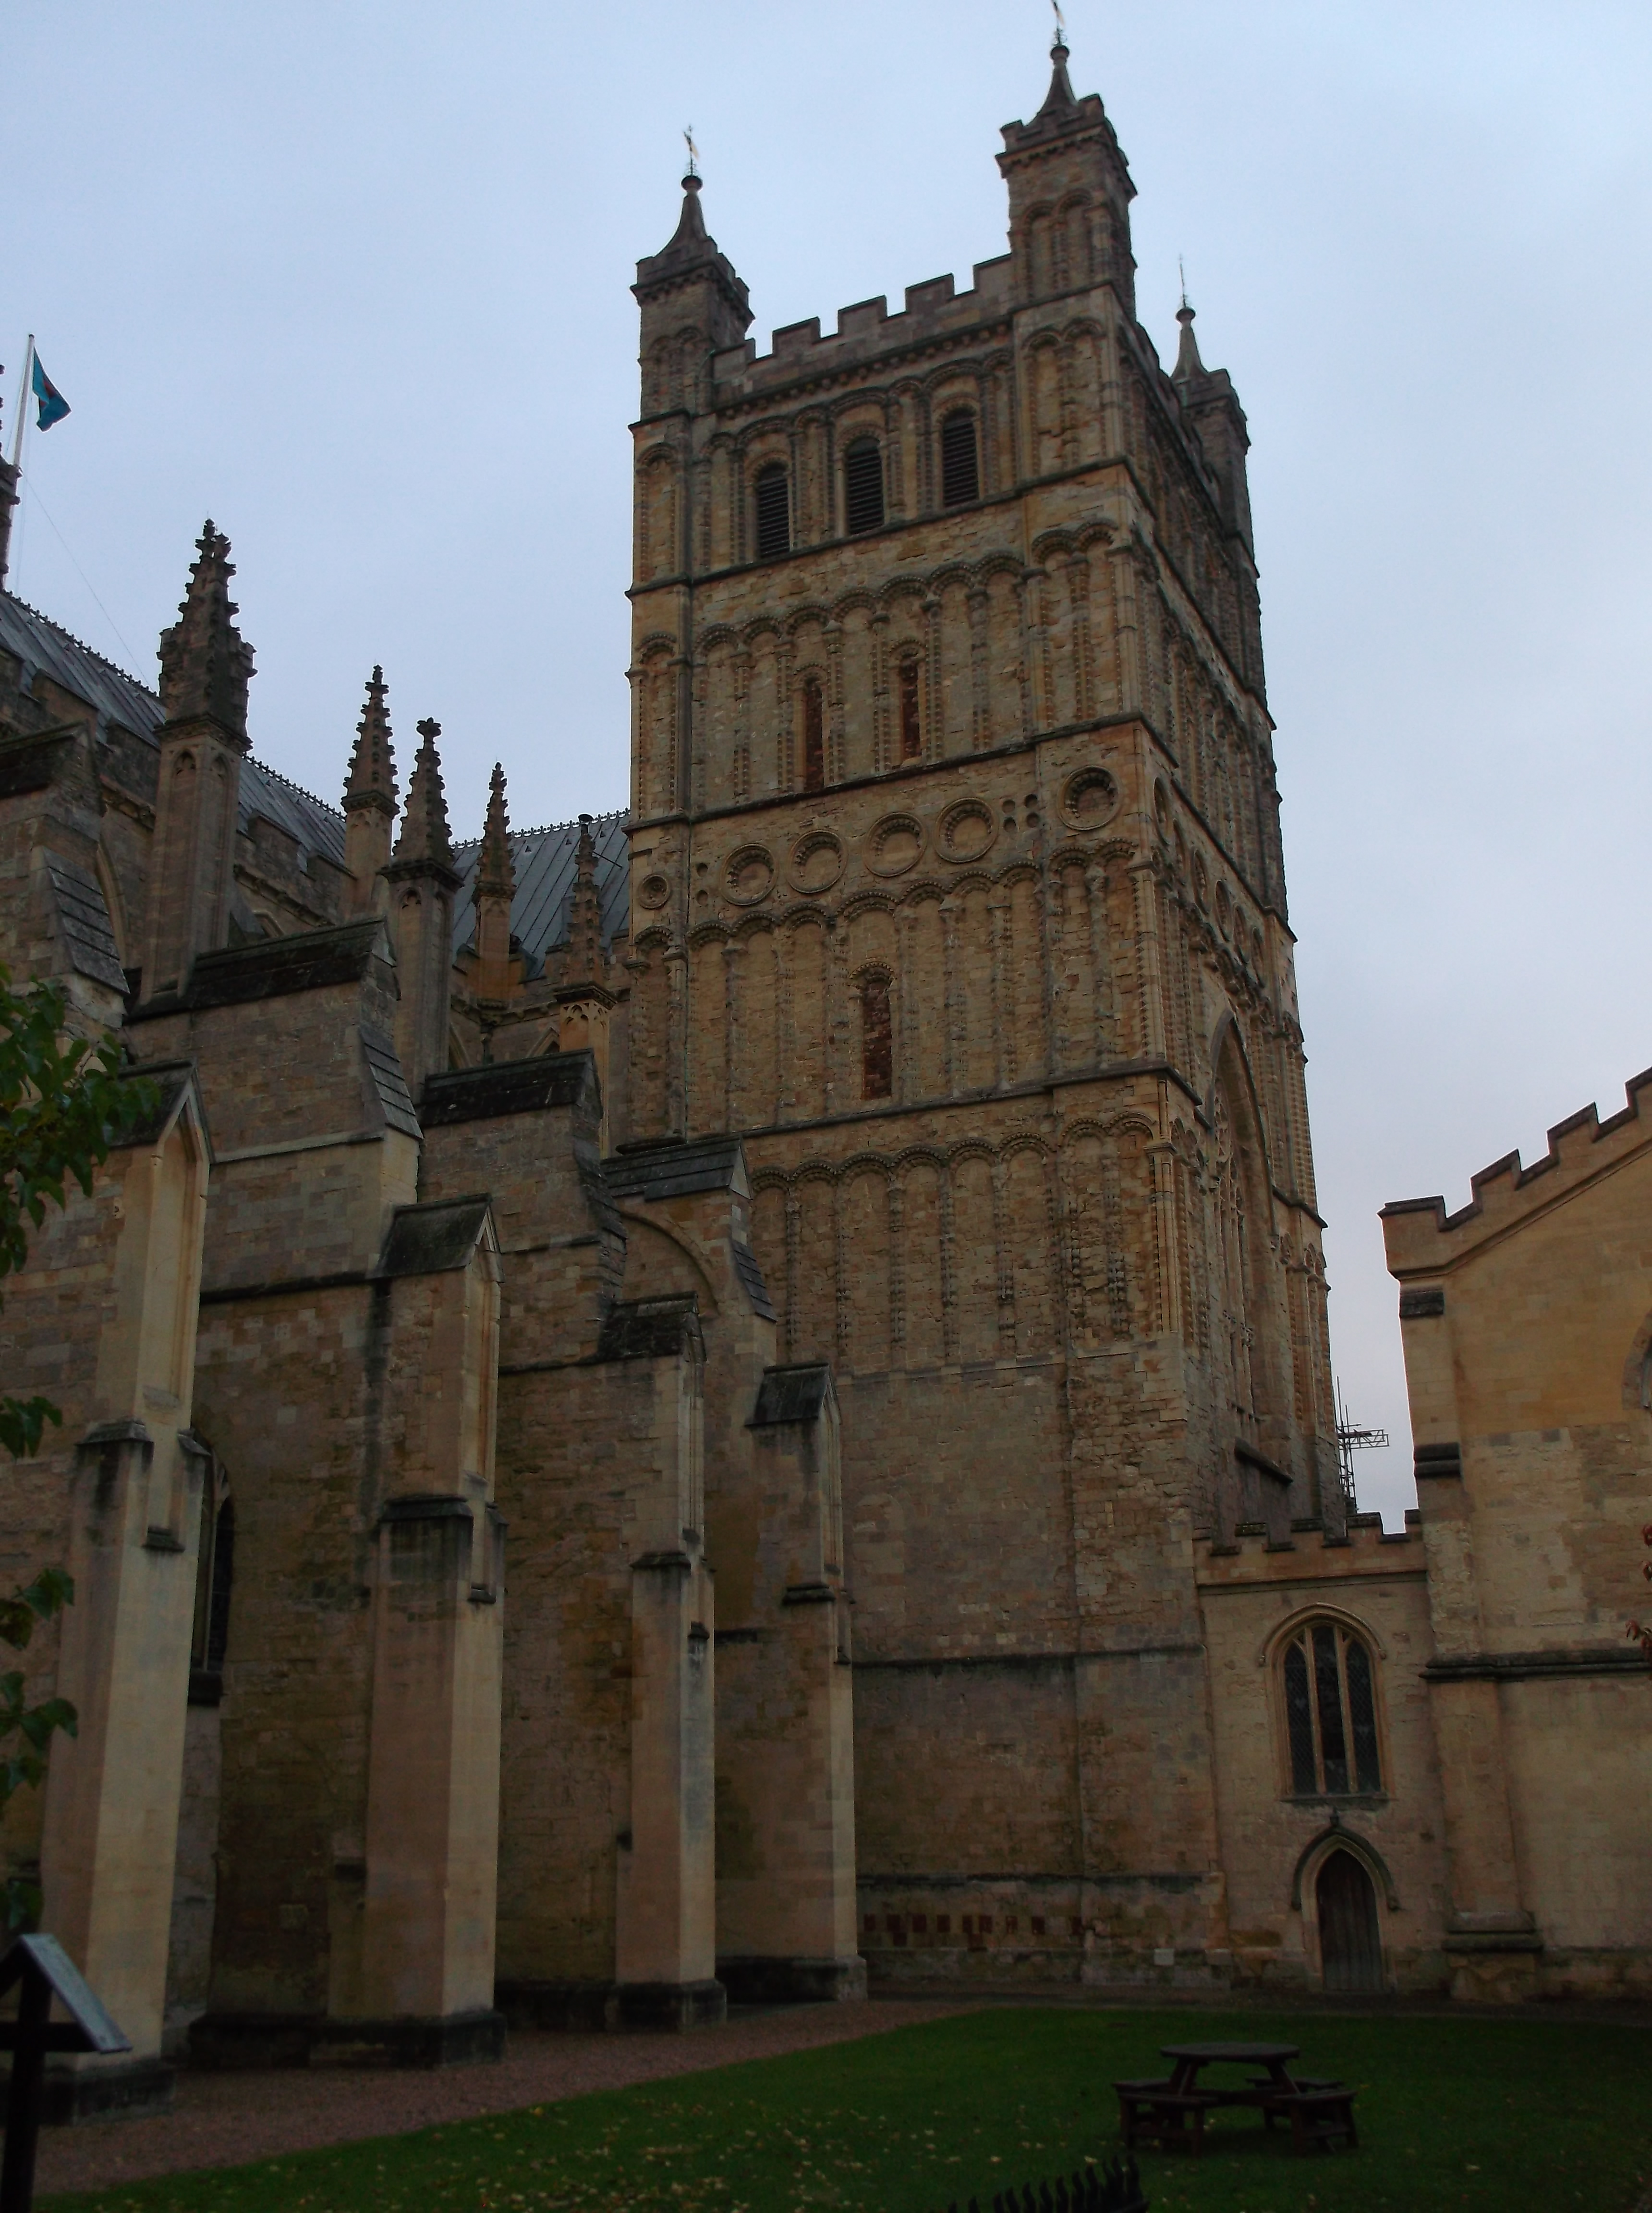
[219, 2120]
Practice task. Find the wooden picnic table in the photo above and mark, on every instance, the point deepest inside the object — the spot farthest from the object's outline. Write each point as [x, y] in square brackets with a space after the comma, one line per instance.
[1172, 2111]
[1187, 2060]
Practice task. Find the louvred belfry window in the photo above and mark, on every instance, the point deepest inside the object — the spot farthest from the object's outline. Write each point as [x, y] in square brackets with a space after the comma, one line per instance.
[960, 470]
[773, 511]
[863, 487]
[1331, 1724]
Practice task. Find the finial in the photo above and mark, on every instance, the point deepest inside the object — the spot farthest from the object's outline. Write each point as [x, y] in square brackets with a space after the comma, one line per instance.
[1181, 270]
[424, 832]
[372, 778]
[497, 870]
[1187, 353]
[693, 157]
[205, 663]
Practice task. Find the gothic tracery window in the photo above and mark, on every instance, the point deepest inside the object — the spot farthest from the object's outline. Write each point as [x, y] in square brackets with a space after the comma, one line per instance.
[1329, 1682]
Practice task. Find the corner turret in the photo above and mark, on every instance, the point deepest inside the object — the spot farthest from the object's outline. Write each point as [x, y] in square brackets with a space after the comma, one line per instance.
[1211, 405]
[693, 305]
[1070, 195]
[496, 889]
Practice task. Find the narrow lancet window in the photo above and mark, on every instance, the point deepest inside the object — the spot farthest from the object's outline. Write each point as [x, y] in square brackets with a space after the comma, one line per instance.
[877, 1040]
[863, 487]
[912, 721]
[960, 470]
[773, 511]
[813, 735]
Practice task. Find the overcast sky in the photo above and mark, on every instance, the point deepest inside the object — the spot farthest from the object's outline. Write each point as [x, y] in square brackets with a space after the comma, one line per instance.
[351, 279]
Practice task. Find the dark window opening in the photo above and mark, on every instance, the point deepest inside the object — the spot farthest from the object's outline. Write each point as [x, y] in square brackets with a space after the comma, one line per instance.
[215, 1578]
[773, 512]
[863, 486]
[813, 735]
[877, 1040]
[912, 726]
[1330, 1725]
[960, 472]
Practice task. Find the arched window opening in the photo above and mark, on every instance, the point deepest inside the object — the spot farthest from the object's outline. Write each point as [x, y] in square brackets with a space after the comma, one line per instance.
[1331, 1713]
[813, 735]
[960, 472]
[215, 1576]
[863, 487]
[773, 511]
[912, 720]
[877, 1040]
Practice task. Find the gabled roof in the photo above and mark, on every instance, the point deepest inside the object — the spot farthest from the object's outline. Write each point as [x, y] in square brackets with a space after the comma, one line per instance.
[544, 860]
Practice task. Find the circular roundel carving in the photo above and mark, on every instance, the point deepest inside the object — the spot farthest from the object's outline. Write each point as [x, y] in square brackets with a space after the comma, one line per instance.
[965, 830]
[1090, 799]
[654, 891]
[749, 876]
[817, 862]
[894, 844]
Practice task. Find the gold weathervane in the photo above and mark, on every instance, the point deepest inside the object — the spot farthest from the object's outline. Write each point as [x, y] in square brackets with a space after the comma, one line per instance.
[1061, 23]
[693, 151]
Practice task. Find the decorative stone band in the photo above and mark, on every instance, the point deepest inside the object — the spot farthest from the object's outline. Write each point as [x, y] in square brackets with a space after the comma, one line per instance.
[1526, 1667]
[1442, 1460]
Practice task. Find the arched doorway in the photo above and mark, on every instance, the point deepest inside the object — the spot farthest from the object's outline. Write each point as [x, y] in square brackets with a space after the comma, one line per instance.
[1350, 1935]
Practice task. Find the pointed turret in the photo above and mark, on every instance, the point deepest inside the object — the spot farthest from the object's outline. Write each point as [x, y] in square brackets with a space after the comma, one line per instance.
[369, 795]
[689, 287]
[584, 957]
[205, 667]
[495, 887]
[1211, 405]
[422, 879]
[205, 663]
[1188, 364]
[1069, 195]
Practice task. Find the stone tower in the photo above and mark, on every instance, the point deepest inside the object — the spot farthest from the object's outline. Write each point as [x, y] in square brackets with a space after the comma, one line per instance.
[957, 893]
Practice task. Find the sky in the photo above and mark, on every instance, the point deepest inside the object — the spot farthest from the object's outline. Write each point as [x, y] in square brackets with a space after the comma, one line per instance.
[351, 279]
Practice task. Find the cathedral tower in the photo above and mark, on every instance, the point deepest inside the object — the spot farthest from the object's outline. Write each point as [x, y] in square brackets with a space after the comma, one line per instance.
[957, 893]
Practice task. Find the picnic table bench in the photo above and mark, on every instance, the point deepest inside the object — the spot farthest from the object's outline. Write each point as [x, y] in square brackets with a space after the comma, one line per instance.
[1171, 2110]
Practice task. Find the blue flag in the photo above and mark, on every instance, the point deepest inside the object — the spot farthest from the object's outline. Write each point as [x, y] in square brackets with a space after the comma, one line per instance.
[53, 406]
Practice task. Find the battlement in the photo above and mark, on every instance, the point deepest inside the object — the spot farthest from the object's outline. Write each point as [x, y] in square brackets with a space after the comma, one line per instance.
[1507, 1193]
[934, 310]
[1308, 1554]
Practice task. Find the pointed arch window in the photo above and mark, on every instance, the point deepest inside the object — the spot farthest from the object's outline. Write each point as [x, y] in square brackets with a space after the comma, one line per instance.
[862, 486]
[773, 497]
[814, 703]
[1329, 1682]
[877, 1039]
[909, 690]
[960, 467]
[215, 1575]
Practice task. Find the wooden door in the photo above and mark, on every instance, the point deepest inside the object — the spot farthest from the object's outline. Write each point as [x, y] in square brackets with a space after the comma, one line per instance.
[1351, 1937]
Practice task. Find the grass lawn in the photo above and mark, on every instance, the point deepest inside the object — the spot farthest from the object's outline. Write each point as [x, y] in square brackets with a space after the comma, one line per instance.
[1522, 2117]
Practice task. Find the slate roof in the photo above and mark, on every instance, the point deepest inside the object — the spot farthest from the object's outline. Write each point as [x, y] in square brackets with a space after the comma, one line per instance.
[672, 1168]
[506, 1087]
[275, 967]
[433, 1239]
[115, 696]
[544, 875]
[790, 1395]
[544, 858]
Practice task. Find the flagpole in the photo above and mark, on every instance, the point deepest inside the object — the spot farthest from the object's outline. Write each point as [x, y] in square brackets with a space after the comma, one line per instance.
[22, 403]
